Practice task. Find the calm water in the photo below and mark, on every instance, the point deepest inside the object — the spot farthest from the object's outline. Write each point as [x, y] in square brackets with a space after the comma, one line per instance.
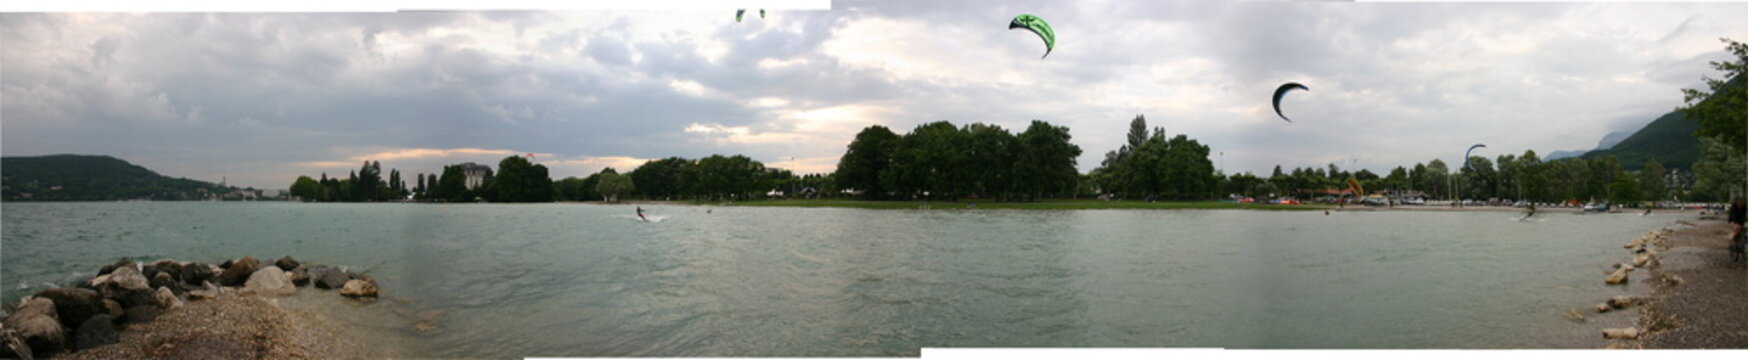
[580, 280]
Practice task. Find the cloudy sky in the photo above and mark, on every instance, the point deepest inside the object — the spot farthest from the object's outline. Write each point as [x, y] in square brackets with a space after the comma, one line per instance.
[261, 98]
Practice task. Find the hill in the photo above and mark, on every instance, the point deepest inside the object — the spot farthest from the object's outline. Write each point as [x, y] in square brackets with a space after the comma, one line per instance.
[1669, 140]
[91, 178]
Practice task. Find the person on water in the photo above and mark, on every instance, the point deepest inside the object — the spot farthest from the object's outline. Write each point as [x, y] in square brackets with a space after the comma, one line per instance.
[640, 214]
[1532, 212]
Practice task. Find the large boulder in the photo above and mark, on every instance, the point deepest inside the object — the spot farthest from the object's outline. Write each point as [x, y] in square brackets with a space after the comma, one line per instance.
[167, 299]
[1621, 302]
[164, 280]
[239, 272]
[286, 263]
[12, 347]
[117, 265]
[1620, 333]
[95, 283]
[141, 314]
[114, 309]
[270, 281]
[196, 273]
[97, 331]
[1619, 276]
[73, 305]
[328, 277]
[359, 289]
[300, 276]
[35, 323]
[169, 267]
[127, 286]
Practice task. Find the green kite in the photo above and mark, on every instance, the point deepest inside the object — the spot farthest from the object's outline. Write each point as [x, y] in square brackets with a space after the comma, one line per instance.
[1037, 26]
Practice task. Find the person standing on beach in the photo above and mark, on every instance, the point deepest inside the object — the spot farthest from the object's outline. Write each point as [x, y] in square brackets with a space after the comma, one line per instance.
[1738, 214]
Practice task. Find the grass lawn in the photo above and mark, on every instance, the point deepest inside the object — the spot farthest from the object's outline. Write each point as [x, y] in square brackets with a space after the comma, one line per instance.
[1039, 205]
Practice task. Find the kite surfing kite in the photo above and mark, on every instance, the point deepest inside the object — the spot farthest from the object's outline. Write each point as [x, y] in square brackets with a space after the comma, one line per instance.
[1282, 91]
[742, 13]
[1037, 26]
[1466, 155]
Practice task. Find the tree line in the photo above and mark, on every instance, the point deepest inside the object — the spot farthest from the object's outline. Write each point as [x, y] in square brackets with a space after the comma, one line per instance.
[1511, 177]
[980, 161]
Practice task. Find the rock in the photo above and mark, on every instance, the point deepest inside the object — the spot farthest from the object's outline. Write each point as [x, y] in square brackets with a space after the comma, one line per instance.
[97, 331]
[127, 286]
[1621, 302]
[1573, 315]
[12, 347]
[1641, 259]
[35, 323]
[238, 272]
[95, 282]
[1620, 333]
[201, 295]
[113, 309]
[1619, 346]
[300, 276]
[167, 299]
[141, 314]
[269, 281]
[227, 264]
[359, 288]
[1602, 308]
[328, 277]
[169, 267]
[164, 280]
[73, 306]
[196, 273]
[117, 265]
[286, 263]
[1619, 276]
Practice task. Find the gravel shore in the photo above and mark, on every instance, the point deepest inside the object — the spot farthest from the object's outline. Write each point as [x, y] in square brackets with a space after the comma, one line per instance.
[1706, 304]
[229, 326]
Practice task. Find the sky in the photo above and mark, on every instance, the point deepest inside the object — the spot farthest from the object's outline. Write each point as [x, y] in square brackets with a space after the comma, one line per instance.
[258, 99]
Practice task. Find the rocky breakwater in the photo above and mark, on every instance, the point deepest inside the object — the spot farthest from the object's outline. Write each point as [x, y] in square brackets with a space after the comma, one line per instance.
[92, 316]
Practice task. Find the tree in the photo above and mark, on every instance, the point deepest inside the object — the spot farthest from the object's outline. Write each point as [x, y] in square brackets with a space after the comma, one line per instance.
[1045, 162]
[1722, 114]
[992, 151]
[1651, 184]
[661, 179]
[613, 184]
[518, 180]
[930, 160]
[867, 158]
[307, 189]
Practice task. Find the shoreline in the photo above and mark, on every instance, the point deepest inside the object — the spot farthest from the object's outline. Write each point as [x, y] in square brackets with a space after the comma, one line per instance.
[1699, 297]
[237, 309]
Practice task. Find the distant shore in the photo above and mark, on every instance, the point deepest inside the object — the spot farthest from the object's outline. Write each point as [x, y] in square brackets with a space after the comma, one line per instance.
[1032, 205]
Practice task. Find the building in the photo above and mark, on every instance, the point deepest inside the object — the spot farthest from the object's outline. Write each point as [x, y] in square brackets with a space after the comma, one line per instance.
[475, 174]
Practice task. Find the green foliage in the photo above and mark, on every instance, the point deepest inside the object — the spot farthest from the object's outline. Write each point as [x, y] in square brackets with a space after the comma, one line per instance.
[1669, 140]
[92, 178]
[1722, 114]
[518, 180]
[867, 158]
[663, 179]
[613, 184]
[307, 189]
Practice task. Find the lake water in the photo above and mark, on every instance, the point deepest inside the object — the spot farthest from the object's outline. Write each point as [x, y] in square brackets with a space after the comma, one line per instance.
[585, 280]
